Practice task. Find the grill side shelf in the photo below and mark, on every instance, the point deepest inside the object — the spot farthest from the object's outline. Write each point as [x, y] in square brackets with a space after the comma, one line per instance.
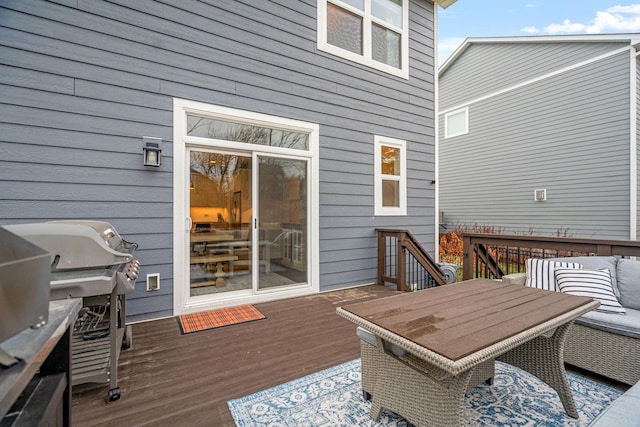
[91, 359]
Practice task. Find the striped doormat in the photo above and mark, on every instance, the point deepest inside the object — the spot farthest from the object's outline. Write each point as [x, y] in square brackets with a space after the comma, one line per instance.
[196, 322]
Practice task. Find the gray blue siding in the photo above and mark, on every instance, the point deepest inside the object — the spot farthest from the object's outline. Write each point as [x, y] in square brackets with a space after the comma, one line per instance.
[568, 134]
[487, 68]
[82, 81]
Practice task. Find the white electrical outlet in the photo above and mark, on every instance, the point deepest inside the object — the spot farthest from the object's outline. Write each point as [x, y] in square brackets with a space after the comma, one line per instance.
[153, 282]
[540, 195]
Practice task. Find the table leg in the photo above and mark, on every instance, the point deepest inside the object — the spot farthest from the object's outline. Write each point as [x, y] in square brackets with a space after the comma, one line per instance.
[220, 283]
[544, 357]
[416, 396]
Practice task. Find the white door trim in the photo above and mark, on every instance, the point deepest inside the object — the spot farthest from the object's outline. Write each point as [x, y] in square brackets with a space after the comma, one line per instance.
[182, 303]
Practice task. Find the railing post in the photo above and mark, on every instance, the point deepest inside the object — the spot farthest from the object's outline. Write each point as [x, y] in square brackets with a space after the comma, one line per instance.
[604, 250]
[467, 258]
[401, 264]
[381, 257]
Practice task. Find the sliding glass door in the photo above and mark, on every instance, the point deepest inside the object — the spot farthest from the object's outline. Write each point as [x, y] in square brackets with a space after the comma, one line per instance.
[282, 221]
[231, 249]
[220, 208]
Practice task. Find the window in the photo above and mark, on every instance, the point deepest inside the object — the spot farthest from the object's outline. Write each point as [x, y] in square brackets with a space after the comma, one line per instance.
[214, 128]
[456, 123]
[390, 176]
[370, 32]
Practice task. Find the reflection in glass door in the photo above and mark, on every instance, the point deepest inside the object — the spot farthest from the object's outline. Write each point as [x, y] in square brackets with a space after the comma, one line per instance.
[282, 222]
[220, 208]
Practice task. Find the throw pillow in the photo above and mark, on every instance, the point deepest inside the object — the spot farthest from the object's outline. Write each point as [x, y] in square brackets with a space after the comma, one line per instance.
[594, 284]
[629, 275]
[596, 263]
[540, 272]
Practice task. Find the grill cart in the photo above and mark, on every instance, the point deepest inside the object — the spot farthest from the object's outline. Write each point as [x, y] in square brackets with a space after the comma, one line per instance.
[90, 260]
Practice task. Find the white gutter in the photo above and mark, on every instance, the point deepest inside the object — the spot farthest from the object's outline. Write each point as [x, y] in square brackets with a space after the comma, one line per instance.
[633, 147]
[436, 118]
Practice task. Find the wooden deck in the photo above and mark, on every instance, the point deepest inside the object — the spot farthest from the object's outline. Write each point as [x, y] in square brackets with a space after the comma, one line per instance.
[169, 379]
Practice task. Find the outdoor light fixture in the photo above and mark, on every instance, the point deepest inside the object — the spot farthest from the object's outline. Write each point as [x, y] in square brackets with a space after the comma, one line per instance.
[151, 151]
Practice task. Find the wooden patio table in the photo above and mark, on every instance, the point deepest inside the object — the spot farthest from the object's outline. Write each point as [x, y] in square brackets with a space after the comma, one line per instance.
[449, 330]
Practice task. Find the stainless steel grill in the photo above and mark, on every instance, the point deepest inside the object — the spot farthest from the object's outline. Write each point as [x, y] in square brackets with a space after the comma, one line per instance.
[90, 260]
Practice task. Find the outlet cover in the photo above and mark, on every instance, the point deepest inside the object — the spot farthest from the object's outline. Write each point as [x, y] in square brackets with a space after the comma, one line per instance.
[540, 195]
[153, 282]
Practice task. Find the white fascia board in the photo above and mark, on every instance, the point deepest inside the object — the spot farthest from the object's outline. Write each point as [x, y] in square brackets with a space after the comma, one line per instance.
[454, 56]
[622, 37]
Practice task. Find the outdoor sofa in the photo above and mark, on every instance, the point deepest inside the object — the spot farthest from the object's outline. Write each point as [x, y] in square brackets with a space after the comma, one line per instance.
[623, 412]
[605, 343]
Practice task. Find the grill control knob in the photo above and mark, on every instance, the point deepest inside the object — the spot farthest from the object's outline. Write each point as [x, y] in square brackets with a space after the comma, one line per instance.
[133, 269]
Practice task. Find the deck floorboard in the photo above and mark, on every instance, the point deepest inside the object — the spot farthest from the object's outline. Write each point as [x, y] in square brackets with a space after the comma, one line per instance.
[171, 379]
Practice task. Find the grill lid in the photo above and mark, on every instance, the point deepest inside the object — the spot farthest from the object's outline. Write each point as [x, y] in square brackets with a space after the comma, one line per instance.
[77, 244]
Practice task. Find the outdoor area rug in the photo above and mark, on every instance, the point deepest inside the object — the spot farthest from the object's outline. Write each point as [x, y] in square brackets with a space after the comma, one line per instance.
[196, 322]
[333, 397]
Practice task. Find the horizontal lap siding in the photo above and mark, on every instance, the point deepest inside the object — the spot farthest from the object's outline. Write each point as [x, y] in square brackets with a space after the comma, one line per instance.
[568, 134]
[83, 81]
[487, 68]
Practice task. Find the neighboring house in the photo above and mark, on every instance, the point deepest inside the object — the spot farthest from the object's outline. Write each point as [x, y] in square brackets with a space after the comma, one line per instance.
[540, 135]
[301, 126]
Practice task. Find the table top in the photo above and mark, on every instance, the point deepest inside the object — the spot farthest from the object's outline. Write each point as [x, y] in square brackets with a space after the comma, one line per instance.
[457, 321]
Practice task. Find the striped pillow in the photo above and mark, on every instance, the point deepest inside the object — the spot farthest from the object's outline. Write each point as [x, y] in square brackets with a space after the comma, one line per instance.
[594, 284]
[540, 272]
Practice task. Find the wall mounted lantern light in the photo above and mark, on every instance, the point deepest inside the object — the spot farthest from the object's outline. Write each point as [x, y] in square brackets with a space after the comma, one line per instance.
[151, 151]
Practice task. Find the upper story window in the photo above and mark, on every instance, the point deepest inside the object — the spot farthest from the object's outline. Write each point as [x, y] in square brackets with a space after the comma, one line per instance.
[370, 32]
[456, 123]
[390, 176]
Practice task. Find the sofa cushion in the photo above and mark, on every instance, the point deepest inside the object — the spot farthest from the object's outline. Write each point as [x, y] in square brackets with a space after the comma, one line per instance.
[627, 325]
[629, 283]
[596, 263]
[594, 284]
[623, 412]
[540, 273]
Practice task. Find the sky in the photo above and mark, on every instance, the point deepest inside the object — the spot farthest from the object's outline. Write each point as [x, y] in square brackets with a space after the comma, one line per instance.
[494, 18]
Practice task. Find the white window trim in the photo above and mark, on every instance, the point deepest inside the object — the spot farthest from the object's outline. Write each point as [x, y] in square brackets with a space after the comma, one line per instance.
[366, 58]
[181, 108]
[464, 110]
[381, 210]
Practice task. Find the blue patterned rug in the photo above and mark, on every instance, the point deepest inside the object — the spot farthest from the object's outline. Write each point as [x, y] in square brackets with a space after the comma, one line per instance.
[333, 398]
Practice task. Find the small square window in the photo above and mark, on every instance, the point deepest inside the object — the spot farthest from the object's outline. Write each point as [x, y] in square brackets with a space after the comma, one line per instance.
[456, 123]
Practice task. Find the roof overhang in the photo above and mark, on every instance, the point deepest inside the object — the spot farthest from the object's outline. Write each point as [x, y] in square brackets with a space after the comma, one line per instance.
[444, 3]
